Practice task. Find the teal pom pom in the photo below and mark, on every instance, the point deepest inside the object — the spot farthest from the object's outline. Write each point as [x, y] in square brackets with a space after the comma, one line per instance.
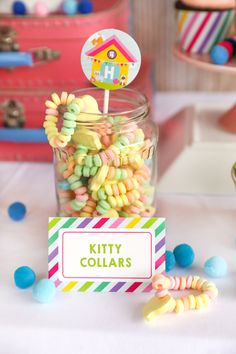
[44, 291]
[70, 7]
[215, 267]
[24, 277]
[170, 261]
[184, 255]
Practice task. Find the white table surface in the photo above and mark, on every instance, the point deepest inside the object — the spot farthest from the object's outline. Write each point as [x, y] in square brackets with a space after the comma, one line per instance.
[110, 323]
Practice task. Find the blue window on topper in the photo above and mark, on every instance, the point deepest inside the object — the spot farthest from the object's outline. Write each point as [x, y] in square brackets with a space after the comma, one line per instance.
[110, 72]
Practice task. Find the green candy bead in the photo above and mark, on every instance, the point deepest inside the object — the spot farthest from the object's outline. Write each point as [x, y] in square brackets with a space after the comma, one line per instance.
[124, 140]
[103, 204]
[73, 178]
[123, 174]
[69, 116]
[75, 185]
[117, 119]
[93, 171]
[77, 205]
[69, 124]
[118, 174]
[118, 145]
[73, 108]
[82, 148]
[97, 160]
[86, 171]
[78, 170]
[67, 131]
[123, 214]
[89, 161]
[101, 210]
[101, 194]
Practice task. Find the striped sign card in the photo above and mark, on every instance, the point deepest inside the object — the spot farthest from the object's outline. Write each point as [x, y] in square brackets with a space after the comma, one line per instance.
[105, 254]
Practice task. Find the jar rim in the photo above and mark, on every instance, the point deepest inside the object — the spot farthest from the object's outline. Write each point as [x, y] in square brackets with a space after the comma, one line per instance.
[121, 95]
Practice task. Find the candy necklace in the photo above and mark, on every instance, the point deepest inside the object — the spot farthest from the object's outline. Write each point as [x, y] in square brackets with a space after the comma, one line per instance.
[164, 302]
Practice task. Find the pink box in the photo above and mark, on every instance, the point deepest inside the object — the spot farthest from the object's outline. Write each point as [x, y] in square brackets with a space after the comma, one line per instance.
[65, 35]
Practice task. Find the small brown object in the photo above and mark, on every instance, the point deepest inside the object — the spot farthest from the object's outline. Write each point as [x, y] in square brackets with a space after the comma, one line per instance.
[13, 114]
[8, 39]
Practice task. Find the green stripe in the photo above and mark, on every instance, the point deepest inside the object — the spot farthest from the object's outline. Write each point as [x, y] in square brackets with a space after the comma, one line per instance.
[160, 228]
[102, 286]
[149, 223]
[221, 30]
[67, 224]
[85, 286]
[53, 222]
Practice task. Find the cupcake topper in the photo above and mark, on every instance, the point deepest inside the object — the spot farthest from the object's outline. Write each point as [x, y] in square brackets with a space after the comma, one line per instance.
[110, 60]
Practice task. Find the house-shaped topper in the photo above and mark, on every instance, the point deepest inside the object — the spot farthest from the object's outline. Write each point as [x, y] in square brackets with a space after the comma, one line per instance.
[110, 61]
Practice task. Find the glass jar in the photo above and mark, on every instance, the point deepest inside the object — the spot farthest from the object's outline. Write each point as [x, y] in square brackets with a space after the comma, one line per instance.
[109, 167]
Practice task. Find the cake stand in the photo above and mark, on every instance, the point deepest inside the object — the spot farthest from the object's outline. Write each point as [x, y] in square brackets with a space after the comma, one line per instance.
[203, 142]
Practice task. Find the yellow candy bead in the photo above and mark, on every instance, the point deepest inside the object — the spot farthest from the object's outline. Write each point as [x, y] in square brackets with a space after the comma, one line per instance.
[199, 302]
[50, 104]
[192, 301]
[56, 99]
[112, 213]
[179, 306]
[194, 282]
[99, 179]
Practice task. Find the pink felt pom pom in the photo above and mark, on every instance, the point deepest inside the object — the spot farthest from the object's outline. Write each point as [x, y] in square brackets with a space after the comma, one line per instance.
[41, 9]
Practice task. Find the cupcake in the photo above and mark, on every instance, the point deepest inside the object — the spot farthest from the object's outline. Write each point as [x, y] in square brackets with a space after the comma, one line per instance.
[201, 26]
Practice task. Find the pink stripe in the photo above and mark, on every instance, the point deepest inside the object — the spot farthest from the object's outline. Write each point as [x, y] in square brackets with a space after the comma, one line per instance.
[116, 223]
[148, 288]
[133, 287]
[57, 283]
[199, 31]
[100, 223]
[160, 261]
[53, 270]
[195, 16]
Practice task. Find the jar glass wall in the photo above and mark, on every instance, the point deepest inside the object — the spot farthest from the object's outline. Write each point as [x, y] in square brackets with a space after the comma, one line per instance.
[109, 167]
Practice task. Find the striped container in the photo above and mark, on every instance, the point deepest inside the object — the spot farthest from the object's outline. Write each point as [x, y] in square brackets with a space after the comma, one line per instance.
[199, 30]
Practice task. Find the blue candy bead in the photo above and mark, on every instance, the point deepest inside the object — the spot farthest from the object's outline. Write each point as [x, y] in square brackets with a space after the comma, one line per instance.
[215, 267]
[85, 7]
[44, 291]
[17, 211]
[64, 185]
[219, 55]
[184, 255]
[170, 261]
[19, 8]
[70, 7]
[24, 277]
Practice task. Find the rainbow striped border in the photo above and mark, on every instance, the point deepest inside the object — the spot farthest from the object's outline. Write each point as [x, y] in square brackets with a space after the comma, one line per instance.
[55, 224]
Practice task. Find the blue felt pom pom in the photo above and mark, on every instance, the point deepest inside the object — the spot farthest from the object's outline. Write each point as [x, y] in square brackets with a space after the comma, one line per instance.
[184, 255]
[70, 7]
[219, 55]
[17, 211]
[19, 8]
[215, 267]
[24, 277]
[85, 7]
[44, 291]
[170, 261]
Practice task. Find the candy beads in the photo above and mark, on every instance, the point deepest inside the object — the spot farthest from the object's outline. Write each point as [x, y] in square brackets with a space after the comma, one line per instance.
[100, 165]
[70, 111]
[163, 302]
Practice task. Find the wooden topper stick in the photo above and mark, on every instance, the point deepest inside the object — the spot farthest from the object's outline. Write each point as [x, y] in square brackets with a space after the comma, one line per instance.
[106, 101]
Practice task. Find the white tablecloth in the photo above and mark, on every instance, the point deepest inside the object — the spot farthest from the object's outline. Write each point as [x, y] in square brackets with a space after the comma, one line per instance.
[109, 323]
